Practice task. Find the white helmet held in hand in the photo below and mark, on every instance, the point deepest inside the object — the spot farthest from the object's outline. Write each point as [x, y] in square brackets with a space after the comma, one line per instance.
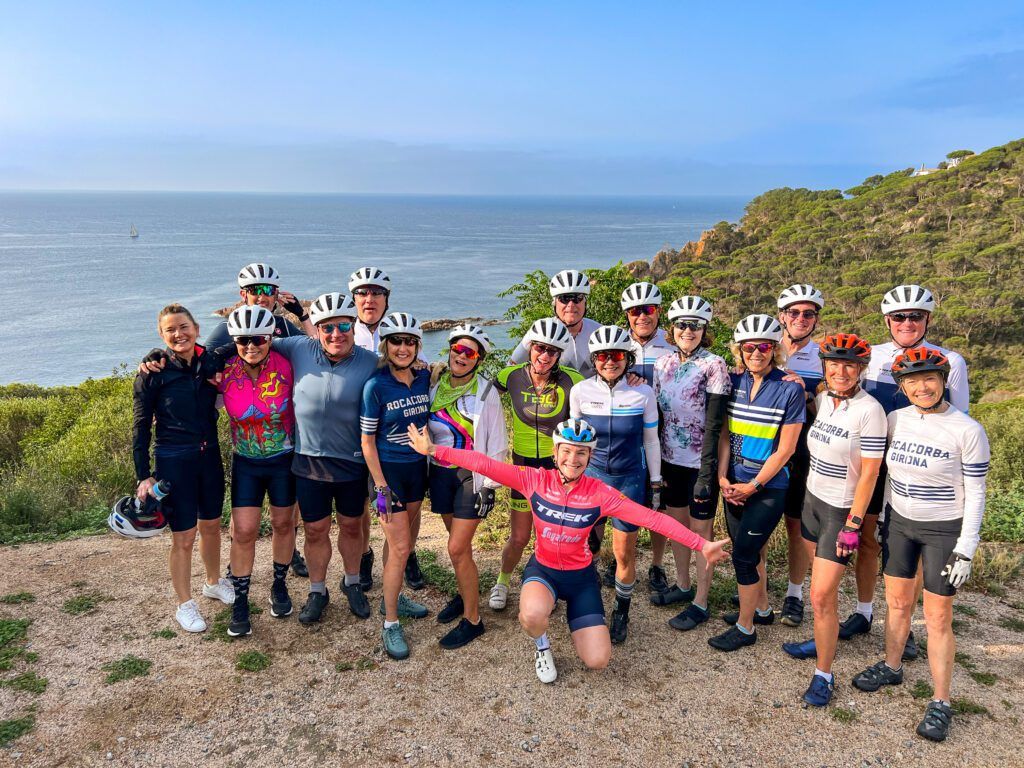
[251, 321]
[331, 305]
[690, 308]
[574, 432]
[569, 281]
[470, 331]
[609, 337]
[549, 330]
[258, 274]
[399, 322]
[757, 328]
[904, 297]
[801, 292]
[369, 276]
[640, 294]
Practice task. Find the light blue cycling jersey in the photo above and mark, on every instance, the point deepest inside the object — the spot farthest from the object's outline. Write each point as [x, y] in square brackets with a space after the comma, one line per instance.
[879, 383]
[620, 416]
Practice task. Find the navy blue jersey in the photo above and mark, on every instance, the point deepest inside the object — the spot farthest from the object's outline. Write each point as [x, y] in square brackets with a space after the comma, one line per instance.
[389, 407]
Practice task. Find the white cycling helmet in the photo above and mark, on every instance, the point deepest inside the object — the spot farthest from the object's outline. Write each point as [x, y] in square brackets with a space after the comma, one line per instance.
[640, 294]
[758, 327]
[399, 322]
[549, 330]
[690, 308]
[369, 276]
[574, 432]
[569, 281]
[904, 297]
[609, 337]
[251, 321]
[331, 305]
[470, 331]
[801, 292]
[128, 519]
[258, 274]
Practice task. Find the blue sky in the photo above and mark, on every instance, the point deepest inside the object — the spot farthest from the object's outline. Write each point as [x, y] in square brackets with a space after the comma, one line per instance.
[658, 98]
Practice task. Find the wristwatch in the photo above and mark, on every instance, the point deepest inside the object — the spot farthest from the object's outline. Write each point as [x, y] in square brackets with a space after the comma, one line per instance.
[757, 485]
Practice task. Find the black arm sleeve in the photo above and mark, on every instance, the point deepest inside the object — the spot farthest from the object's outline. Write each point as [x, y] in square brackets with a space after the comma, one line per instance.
[714, 416]
[142, 424]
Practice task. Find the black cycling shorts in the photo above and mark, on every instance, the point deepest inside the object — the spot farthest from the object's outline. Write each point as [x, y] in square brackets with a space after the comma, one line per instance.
[749, 526]
[315, 498]
[799, 468]
[905, 542]
[878, 495]
[519, 502]
[678, 491]
[580, 589]
[821, 524]
[197, 486]
[451, 492]
[252, 479]
[407, 481]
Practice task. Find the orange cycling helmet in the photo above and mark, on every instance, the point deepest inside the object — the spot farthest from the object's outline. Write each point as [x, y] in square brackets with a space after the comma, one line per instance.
[920, 360]
[845, 346]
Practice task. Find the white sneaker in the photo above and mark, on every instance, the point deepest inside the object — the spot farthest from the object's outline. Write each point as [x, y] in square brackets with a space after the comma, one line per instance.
[499, 597]
[189, 617]
[545, 664]
[222, 591]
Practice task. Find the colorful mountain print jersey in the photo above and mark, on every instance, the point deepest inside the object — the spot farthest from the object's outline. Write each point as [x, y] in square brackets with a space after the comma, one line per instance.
[262, 418]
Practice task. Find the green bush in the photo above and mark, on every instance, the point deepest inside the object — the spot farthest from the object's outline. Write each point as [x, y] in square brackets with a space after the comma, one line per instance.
[18, 418]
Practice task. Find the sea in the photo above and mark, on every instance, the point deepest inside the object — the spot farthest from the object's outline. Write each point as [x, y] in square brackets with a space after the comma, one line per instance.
[81, 296]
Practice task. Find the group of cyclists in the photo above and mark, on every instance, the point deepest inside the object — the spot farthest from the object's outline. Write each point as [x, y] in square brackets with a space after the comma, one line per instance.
[863, 449]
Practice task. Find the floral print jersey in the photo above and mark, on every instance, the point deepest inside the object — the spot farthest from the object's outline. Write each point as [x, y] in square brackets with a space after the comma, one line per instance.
[681, 390]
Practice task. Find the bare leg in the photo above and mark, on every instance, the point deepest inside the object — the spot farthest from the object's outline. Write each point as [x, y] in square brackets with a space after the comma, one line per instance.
[519, 537]
[209, 548]
[245, 527]
[593, 646]
[397, 535]
[182, 543]
[825, 578]
[460, 550]
[938, 616]
[899, 598]
[681, 554]
[317, 548]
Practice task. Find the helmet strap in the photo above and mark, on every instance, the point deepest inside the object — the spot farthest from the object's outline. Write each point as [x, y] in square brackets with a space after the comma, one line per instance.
[845, 395]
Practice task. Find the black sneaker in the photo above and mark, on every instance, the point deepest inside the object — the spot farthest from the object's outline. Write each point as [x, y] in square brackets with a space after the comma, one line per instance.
[239, 626]
[413, 575]
[673, 595]
[733, 616]
[366, 571]
[910, 651]
[854, 624]
[280, 600]
[313, 610]
[299, 565]
[619, 627]
[463, 634]
[874, 677]
[732, 640]
[608, 576]
[357, 602]
[935, 725]
[452, 610]
[656, 580]
[792, 612]
[689, 618]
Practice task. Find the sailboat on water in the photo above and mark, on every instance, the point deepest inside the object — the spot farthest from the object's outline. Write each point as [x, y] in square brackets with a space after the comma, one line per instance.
[134, 233]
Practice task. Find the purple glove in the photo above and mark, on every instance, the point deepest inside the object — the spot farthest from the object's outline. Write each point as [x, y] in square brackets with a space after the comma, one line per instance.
[383, 501]
[848, 538]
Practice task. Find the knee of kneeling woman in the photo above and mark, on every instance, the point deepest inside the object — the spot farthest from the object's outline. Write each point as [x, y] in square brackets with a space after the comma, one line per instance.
[532, 620]
[598, 659]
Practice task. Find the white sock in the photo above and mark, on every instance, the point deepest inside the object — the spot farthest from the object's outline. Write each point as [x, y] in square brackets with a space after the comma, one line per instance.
[542, 642]
[743, 629]
[766, 612]
[390, 624]
[865, 609]
[795, 590]
[826, 675]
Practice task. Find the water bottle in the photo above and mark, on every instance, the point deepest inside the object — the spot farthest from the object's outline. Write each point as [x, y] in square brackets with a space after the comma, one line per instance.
[656, 498]
[161, 489]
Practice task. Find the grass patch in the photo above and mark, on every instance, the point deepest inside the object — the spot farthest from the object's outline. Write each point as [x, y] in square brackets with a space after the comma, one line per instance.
[164, 634]
[1012, 622]
[125, 669]
[17, 598]
[960, 626]
[721, 591]
[922, 689]
[12, 634]
[28, 682]
[219, 627]
[85, 603]
[16, 728]
[964, 660]
[435, 574]
[966, 610]
[983, 678]
[968, 707]
[362, 664]
[994, 566]
[252, 661]
[843, 715]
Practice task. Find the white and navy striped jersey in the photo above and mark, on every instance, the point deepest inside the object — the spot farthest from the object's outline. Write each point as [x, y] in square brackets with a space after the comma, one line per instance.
[806, 364]
[626, 421]
[647, 354]
[937, 465]
[839, 438]
[879, 383]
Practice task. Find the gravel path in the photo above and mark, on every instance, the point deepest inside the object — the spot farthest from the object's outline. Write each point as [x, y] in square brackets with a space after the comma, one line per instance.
[330, 694]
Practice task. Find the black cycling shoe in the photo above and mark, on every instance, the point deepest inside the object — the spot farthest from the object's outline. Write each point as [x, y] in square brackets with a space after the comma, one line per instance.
[910, 650]
[413, 575]
[689, 618]
[463, 634]
[854, 624]
[239, 626]
[452, 610]
[313, 610]
[732, 640]
[792, 612]
[357, 602]
[366, 571]
[608, 576]
[656, 581]
[280, 600]
[299, 565]
[619, 627]
[935, 725]
[733, 616]
[877, 675]
[672, 595]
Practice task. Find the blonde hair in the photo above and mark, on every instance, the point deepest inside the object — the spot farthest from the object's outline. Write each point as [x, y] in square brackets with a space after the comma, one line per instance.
[382, 352]
[174, 309]
[778, 359]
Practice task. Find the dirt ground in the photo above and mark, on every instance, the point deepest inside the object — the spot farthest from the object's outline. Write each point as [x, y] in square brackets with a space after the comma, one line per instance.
[666, 700]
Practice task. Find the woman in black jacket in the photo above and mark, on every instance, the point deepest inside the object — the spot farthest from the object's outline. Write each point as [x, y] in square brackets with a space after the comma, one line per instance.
[181, 404]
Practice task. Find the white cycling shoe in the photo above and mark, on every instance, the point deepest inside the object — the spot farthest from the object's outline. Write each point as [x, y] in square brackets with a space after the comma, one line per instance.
[189, 618]
[545, 664]
[222, 590]
[499, 597]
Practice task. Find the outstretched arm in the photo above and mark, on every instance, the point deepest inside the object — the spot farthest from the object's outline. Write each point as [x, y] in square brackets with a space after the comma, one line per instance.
[614, 504]
[516, 478]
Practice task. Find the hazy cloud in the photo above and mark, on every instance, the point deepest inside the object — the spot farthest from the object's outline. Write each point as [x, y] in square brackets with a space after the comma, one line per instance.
[989, 83]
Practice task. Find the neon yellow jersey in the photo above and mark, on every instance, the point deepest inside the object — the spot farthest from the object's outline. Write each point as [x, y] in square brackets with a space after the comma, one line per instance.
[535, 414]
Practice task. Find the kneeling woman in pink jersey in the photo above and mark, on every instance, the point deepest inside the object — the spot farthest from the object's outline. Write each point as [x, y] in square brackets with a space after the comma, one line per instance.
[565, 505]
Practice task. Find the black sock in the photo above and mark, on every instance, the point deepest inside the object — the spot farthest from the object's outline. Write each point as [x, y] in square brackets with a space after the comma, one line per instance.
[622, 604]
[241, 584]
[280, 571]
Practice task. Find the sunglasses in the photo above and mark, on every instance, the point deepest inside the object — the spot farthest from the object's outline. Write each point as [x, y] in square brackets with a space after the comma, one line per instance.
[261, 290]
[329, 328]
[370, 292]
[403, 341]
[544, 349]
[468, 352]
[902, 317]
[689, 325]
[572, 298]
[646, 309]
[256, 341]
[764, 347]
[615, 355]
[806, 314]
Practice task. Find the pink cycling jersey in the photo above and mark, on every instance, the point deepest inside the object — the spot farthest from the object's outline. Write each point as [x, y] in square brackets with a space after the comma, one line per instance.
[563, 518]
[261, 413]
